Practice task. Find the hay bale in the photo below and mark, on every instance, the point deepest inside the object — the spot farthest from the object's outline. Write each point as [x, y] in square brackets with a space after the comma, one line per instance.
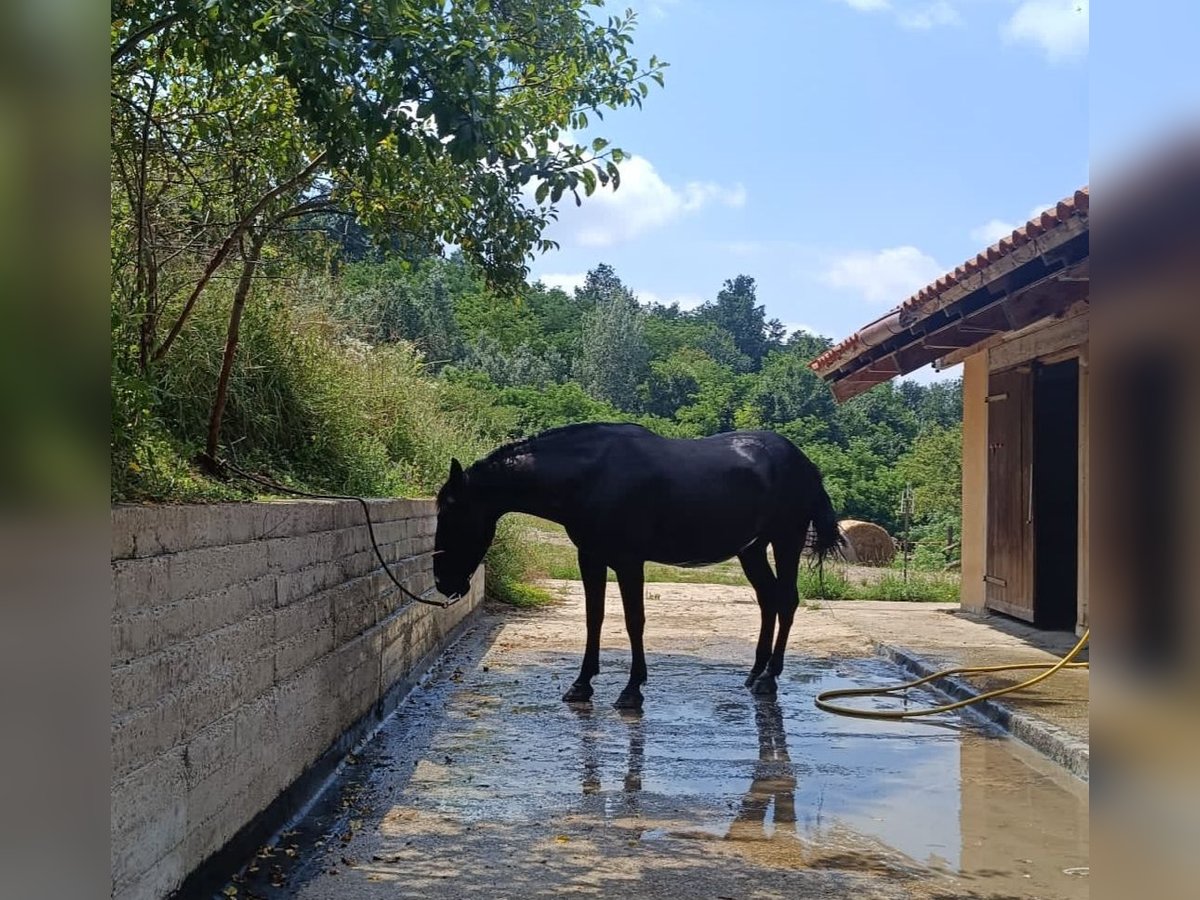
[866, 543]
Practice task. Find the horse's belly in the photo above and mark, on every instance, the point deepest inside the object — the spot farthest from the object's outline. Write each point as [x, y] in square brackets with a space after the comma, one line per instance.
[697, 552]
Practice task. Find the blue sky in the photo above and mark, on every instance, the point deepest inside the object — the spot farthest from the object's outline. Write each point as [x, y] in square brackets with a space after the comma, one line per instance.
[846, 152]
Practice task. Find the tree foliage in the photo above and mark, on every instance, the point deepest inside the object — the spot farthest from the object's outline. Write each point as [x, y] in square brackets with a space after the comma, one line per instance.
[241, 128]
[613, 353]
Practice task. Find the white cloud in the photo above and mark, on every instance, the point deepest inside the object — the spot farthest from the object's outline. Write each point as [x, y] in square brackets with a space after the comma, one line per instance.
[565, 282]
[644, 202]
[888, 276]
[994, 229]
[1059, 27]
[915, 16]
[991, 231]
[930, 15]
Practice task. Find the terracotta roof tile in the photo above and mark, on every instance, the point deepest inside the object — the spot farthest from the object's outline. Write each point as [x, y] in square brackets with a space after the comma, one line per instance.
[1075, 205]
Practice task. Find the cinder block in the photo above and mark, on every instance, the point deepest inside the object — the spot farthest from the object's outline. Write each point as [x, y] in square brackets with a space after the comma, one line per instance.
[303, 650]
[196, 572]
[140, 684]
[204, 702]
[305, 615]
[354, 611]
[140, 582]
[258, 724]
[147, 820]
[294, 553]
[398, 641]
[209, 750]
[149, 630]
[254, 676]
[140, 739]
[205, 838]
[158, 882]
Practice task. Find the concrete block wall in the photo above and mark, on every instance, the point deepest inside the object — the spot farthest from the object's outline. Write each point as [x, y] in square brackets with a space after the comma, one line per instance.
[246, 639]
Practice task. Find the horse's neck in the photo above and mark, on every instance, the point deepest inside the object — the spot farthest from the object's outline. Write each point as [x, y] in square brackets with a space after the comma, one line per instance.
[517, 485]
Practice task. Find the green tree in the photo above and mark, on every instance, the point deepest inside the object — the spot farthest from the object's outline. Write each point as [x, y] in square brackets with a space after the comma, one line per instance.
[559, 318]
[676, 382]
[602, 285]
[806, 345]
[881, 420]
[738, 312]
[560, 404]
[935, 405]
[933, 466]
[520, 366]
[613, 354]
[396, 300]
[714, 409]
[787, 389]
[234, 120]
[861, 484]
[667, 334]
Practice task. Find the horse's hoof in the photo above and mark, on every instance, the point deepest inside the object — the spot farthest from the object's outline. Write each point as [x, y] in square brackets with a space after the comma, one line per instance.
[766, 686]
[578, 693]
[751, 678]
[629, 699]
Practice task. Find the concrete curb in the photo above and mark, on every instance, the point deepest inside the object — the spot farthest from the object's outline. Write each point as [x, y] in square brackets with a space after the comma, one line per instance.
[1052, 742]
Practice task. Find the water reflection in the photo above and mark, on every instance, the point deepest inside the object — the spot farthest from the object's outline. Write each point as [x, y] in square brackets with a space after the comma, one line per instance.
[585, 715]
[591, 731]
[773, 788]
[776, 782]
[637, 749]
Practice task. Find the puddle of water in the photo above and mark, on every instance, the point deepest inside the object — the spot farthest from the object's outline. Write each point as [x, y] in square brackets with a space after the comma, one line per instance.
[778, 780]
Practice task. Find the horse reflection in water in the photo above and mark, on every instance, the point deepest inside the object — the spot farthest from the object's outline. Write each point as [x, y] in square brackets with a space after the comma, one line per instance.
[773, 784]
[774, 780]
[591, 756]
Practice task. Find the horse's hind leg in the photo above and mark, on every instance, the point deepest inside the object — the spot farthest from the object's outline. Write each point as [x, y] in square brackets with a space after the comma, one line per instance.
[787, 598]
[758, 572]
[595, 577]
[631, 579]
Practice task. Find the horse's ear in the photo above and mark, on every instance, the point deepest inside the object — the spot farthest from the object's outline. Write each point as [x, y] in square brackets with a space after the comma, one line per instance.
[456, 472]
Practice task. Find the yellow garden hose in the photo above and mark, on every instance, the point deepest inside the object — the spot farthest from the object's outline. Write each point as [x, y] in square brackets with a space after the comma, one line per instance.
[1064, 663]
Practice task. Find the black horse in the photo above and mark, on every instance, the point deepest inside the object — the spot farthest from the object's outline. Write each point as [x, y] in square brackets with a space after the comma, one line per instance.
[627, 496]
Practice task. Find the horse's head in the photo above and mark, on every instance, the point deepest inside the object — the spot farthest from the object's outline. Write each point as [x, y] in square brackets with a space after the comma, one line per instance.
[464, 532]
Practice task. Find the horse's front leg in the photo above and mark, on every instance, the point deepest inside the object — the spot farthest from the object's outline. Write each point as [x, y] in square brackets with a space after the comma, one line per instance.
[595, 576]
[631, 579]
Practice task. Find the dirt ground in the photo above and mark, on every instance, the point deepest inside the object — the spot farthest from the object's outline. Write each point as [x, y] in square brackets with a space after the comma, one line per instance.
[485, 784]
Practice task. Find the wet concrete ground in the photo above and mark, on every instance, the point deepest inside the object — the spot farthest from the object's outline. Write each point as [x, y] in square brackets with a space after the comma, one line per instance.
[486, 785]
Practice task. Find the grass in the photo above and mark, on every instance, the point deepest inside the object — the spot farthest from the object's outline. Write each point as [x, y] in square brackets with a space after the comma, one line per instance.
[551, 556]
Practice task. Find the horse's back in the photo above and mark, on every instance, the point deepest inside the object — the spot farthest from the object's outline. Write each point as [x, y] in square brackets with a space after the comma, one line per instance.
[680, 500]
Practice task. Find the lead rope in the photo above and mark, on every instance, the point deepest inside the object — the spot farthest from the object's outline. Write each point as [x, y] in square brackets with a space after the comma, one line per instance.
[426, 597]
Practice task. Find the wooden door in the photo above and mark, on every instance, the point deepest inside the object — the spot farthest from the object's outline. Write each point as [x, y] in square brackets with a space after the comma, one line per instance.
[1009, 571]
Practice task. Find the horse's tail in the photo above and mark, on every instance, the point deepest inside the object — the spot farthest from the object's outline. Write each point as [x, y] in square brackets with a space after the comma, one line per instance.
[828, 536]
